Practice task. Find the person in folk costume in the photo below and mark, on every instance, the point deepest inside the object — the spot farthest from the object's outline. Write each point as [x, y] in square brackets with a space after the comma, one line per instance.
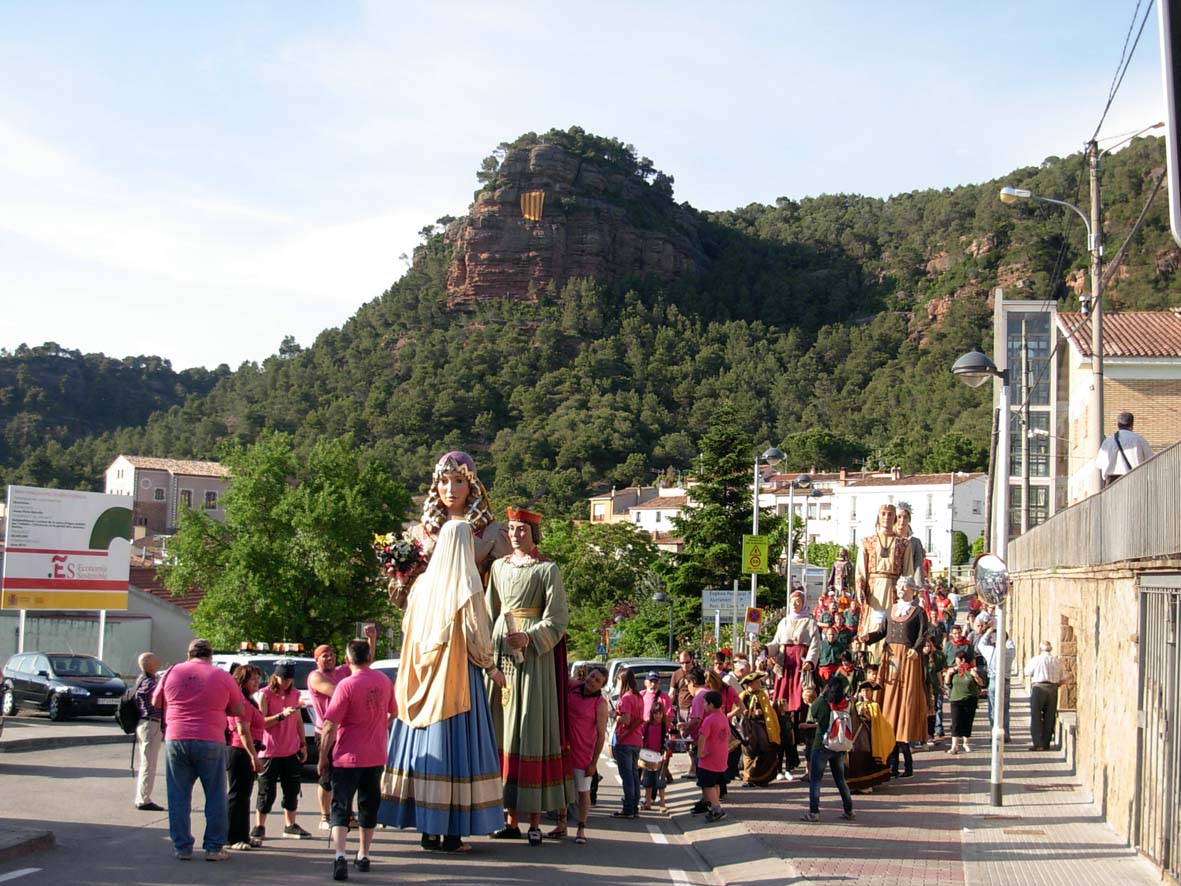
[442, 772]
[840, 576]
[794, 651]
[455, 493]
[903, 674]
[527, 602]
[882, 559]
[873, 741]
[760, 751]
[918, 554]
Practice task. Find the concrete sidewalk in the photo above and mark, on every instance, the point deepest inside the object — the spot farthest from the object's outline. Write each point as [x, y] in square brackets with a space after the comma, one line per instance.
[27, 731]
[32, 732]
[935, 828]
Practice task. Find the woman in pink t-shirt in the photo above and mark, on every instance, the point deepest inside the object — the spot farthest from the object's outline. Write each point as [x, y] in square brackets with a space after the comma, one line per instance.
[242, 761]
[629, 721]
[284, 752]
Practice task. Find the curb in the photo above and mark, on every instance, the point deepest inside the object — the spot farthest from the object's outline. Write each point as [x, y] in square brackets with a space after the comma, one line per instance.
[16, 842]
[18, 745]
[733, 855]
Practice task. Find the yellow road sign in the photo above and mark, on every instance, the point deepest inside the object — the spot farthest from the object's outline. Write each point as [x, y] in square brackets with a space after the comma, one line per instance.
[754, 554]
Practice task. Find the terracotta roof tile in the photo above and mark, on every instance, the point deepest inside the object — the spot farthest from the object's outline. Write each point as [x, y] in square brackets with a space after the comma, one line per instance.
[911, 480]
[179, 466]
[662, 503]
[1127, 333]
[144, 578]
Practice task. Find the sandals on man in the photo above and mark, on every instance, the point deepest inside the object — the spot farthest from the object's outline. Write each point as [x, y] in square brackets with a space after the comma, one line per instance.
[581, 838]
[558, 833]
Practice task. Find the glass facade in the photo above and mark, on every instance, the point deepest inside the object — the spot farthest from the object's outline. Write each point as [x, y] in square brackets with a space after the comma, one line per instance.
[1039, 507]
[1037, 335]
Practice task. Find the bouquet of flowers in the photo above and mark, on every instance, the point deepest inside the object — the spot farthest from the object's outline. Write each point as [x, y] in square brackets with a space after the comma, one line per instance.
[399, 557]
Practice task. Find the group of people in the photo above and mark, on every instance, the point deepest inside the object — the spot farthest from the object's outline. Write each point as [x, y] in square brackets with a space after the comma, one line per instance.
[485, 731]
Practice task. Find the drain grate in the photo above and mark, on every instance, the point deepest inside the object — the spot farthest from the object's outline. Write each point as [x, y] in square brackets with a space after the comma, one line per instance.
[1049, 788]
[1023, 832]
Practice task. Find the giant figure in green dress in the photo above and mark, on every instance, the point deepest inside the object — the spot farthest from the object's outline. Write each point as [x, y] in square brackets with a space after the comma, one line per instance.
[527, 603]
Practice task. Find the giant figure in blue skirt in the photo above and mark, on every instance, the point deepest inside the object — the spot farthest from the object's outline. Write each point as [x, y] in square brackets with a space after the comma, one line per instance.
[442, 772]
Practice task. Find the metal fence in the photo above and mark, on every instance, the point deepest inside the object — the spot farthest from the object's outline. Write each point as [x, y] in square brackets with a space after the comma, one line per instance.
[1157, 825]
[1137, 517]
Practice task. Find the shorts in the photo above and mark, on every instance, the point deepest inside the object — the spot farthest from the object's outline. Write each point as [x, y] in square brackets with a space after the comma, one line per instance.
[707, 778]
[582, 781]
[325, 780]
[279, 771]
[365, 782]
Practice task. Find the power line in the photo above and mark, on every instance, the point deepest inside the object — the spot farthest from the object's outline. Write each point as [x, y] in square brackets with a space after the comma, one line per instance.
[1125, 60]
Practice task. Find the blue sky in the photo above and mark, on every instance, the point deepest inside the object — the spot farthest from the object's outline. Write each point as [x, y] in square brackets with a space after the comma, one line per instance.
[199, 180]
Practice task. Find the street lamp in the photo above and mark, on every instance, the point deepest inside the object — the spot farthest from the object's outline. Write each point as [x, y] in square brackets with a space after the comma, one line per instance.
[1094, 229]
[771, 456]
[662, 597]
[974, 369]
[803, 481]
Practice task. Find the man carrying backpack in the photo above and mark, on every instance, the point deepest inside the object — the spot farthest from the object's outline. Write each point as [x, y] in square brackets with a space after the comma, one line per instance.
[148, 733]
[834, 737]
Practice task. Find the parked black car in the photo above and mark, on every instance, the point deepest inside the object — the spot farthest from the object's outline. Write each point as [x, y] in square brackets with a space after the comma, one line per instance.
[64, 684]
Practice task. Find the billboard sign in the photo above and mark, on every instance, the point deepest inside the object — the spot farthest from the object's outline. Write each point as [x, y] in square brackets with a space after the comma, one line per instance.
[66, 550]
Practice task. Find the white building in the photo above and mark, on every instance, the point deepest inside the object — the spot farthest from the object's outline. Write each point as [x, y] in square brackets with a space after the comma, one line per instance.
[160, 486]
[842, 507]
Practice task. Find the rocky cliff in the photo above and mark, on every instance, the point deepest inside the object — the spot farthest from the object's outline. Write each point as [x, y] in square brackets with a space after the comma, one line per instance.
[596, 221]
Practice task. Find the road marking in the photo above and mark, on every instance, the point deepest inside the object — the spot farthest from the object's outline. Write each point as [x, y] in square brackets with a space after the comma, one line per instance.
[678, 877]
[23, 872]
[657, 835]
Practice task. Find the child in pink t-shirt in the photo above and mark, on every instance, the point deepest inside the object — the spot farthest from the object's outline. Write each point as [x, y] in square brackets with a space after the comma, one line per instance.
[713, 743]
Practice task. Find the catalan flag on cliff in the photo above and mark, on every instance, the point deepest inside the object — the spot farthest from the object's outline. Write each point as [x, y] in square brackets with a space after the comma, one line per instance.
[531, 204]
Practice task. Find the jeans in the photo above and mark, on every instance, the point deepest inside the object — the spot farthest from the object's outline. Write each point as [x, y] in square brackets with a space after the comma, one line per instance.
[939, 713]
[185, 762]
[908, 760]
[836, 762]
[991, 693]
[627, 758]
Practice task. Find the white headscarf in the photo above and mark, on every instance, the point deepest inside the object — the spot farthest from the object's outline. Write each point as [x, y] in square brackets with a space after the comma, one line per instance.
[436, 603]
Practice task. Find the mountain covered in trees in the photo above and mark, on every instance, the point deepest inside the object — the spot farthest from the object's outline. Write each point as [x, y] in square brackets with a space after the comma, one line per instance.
[827, 325]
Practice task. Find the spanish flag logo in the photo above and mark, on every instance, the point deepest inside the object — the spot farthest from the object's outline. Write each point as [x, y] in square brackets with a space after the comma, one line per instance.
[531, 204]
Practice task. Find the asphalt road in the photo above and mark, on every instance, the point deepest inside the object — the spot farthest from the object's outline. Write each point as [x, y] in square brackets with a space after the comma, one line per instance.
[84, 795]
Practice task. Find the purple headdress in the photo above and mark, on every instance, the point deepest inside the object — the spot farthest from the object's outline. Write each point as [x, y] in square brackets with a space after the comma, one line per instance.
[478, 514]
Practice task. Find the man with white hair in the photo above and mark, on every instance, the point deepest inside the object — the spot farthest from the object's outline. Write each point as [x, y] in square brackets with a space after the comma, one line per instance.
[1045, 676]
[148, 733]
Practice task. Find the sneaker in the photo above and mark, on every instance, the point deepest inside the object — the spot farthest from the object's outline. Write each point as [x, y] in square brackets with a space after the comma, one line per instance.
[931, 744]
[699, 807]
[295, 831]
[258, 833]
[782, 776]
[848, 816]
[787, 776]
[149, 807]
[340, 868]
[219, 855]
[242, 846]
[324, 825]
[183, 855]
[715, 815]
[810, 816]
[362, 864]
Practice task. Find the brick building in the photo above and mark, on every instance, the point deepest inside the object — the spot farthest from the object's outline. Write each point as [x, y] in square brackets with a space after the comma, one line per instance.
[1141, 375]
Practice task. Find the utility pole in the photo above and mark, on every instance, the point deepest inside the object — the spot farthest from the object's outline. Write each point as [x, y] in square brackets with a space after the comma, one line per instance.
[1095, 428]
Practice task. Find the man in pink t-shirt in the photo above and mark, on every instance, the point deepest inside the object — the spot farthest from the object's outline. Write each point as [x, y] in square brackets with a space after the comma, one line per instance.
[322, 683]
[652, 692]
[353, 751]
[194, 699]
